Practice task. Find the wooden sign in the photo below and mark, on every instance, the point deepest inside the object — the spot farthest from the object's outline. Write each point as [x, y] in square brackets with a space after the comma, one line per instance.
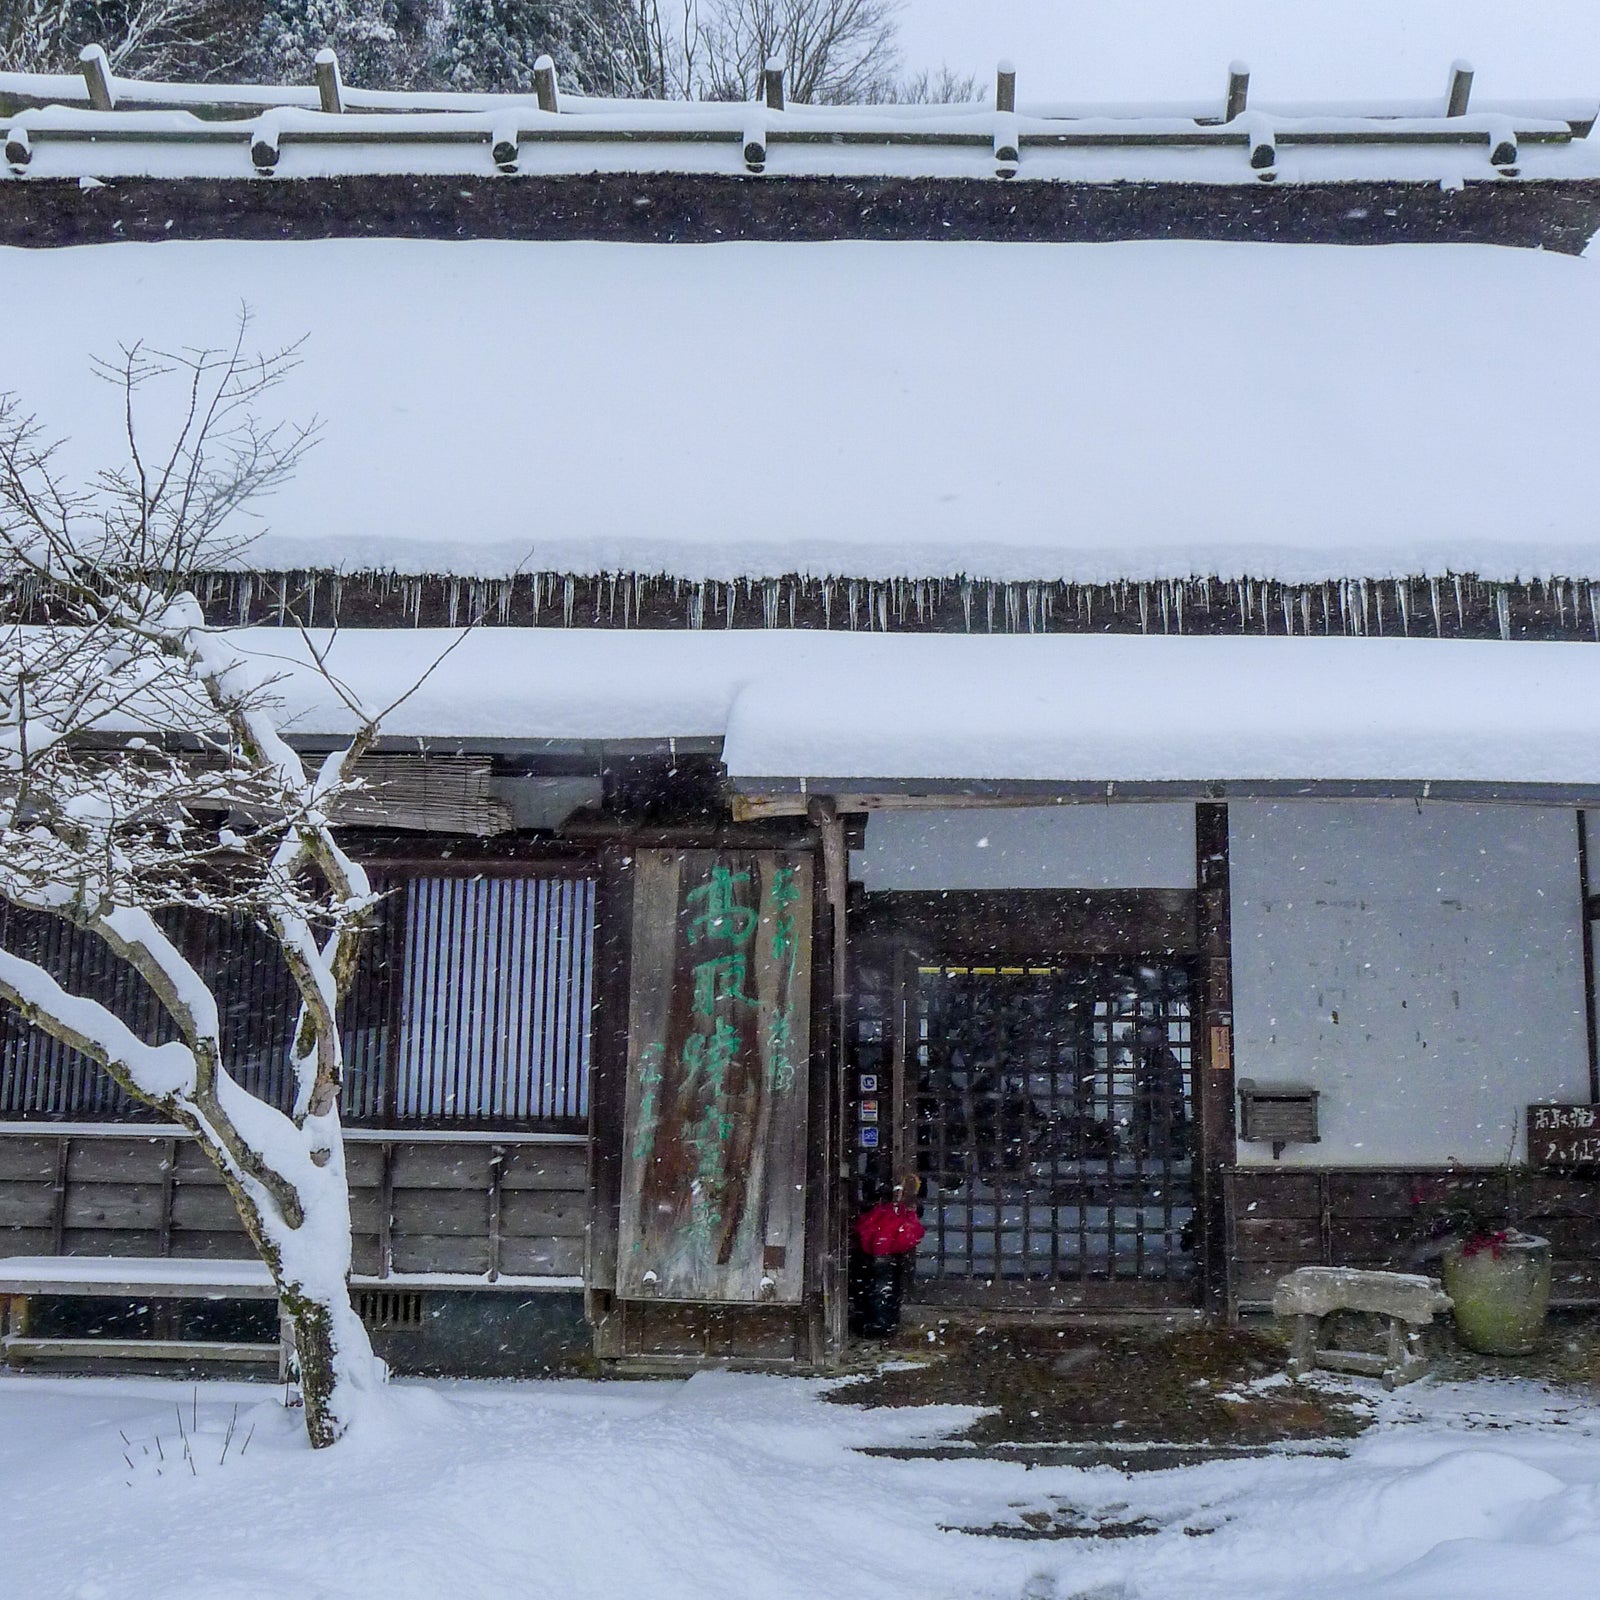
[719, 1039]
[1564, 1136]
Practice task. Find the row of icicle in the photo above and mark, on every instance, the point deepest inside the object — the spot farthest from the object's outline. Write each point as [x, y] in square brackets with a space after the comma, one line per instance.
[1352, 606]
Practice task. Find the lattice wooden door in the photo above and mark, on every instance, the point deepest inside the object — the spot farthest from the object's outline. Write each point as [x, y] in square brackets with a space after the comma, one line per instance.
[1053, 1123]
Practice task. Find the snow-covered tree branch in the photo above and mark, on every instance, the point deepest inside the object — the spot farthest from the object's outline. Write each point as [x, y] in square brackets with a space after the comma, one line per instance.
[108, 825]
[150, 38]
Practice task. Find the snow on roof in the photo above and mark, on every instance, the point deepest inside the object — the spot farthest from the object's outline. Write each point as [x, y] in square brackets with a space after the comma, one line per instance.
[874, 709]
[1009, 411]
[100, 126]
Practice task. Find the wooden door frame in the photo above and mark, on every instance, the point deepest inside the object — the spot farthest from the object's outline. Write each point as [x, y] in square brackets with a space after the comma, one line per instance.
[991, 927]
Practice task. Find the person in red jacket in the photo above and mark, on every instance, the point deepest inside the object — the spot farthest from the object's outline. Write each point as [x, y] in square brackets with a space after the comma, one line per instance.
[887, 1236]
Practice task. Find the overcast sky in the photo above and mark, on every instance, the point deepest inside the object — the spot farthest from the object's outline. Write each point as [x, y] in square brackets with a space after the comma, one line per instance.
[1168, 49]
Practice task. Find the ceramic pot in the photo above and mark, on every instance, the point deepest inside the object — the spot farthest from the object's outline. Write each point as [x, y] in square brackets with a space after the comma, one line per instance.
[1501, 1288]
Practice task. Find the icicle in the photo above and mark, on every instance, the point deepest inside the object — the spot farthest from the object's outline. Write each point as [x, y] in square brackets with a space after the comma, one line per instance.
[1305, 611]
[883, 608]
[1378, 596]
[1286, 600]
[1561, 604]
[244, 592]
[1047, 606]
[1013, 610]
[1088, 595]
[1402, 594]
[1180, 597]
[827, 602]
[1461, 611]
[966, 604]
[1433, 601]
[1031, 593]
[1165, 608]
[1144, 609]
[453, 601]
[988, 603]
[1594, 609]
[1502, 611]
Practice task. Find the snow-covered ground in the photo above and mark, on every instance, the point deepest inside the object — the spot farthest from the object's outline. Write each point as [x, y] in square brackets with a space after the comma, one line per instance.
[751, 1487]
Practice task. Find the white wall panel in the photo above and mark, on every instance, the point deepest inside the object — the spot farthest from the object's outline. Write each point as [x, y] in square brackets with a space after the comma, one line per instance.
[1036, 847]
[1422, 968]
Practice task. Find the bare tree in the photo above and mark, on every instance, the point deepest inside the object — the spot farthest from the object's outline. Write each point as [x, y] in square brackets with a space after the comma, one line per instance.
[834, 51]
[110, 830]
[946, 87]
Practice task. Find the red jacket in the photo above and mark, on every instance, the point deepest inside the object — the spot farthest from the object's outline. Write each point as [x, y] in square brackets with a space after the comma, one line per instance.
[889, 1230]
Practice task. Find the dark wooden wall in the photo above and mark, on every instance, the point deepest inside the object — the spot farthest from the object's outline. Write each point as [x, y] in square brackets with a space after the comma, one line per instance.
[416, 1206]
[1281, 1218]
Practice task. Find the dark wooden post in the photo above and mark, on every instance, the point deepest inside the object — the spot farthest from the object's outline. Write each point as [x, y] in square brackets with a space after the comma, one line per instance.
[1005, 87]
[825, 818]
[1587, 902]
[386, 1209]
[497, 1167]
[58, 1199]
[330, 88]
[1214, 1093]
[1460, 89]
[1238, 90]
[169, 1173]
[97, 77]
[772, 84]
[544, 84]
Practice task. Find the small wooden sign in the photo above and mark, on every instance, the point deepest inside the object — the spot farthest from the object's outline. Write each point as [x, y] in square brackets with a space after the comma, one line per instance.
[719, 1044]
[1564, 1136]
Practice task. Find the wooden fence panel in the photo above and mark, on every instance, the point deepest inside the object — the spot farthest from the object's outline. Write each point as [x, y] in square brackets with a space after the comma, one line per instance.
[1391, 1219]
[461, 1208]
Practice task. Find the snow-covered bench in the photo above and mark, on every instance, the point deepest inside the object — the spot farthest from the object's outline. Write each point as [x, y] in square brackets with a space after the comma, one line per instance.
[1406, 1300]
[132, 1278]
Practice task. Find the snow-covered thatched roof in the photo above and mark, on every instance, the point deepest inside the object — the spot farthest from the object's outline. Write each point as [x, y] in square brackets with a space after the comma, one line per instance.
[1105, 717]
[1090, 413]
[100, 126]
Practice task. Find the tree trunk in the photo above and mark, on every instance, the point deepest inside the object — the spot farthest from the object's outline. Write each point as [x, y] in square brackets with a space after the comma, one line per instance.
[310, 1265]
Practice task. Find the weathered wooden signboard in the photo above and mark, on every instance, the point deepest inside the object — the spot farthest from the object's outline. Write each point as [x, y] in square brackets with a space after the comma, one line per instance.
[714, 1151]
[1564, 1136]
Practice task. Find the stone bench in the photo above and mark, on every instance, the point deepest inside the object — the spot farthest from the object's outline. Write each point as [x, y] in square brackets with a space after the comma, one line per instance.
[1406, 1301]
[132, 1278]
